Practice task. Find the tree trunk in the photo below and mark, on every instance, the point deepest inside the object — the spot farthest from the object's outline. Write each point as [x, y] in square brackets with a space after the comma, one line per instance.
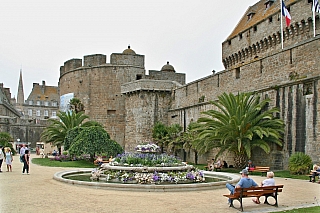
[240, 161]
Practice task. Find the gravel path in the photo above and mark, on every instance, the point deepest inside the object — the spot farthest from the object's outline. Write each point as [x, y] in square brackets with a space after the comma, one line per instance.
[38, 192]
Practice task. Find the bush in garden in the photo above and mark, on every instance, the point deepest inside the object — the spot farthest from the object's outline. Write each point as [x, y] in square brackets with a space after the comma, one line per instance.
[300, 163]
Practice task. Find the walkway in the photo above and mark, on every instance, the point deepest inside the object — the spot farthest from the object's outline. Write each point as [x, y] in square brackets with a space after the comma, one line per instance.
[43, 194]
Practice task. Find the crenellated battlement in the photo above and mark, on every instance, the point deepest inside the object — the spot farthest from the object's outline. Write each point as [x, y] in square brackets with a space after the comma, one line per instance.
[94, 60]
[270, 43]
[260, 36]
[71, 64]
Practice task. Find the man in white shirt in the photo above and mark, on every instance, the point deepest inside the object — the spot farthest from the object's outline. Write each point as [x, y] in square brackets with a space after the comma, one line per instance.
[22, 151]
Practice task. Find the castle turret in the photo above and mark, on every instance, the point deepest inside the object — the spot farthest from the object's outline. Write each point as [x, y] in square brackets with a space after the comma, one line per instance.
[127, 57]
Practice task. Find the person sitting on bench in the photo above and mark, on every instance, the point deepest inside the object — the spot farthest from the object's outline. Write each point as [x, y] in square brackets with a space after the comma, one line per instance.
[250, 166]
[245, 182]
[218, 164]
[315, 172]
[98, 160]
[267, 182]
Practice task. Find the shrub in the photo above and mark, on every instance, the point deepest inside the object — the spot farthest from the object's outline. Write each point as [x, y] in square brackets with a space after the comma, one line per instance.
[299, 163]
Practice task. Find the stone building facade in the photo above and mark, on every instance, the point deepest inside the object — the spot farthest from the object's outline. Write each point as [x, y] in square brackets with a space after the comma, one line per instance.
[128, 102]
[42, 103]
[26, 131]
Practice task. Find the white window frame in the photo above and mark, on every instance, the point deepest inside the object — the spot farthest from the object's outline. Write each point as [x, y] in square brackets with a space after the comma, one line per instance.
[38, 113]
[38, 103]
[30, 102]
[30, 112]
[54, 114]
[46, 113]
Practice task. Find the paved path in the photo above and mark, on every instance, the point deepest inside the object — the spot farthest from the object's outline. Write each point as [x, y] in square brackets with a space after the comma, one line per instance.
[38, 192]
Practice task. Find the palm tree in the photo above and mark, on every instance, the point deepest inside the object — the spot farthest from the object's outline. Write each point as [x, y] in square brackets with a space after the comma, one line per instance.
[240, 124]
[57, 130]
[76, 105]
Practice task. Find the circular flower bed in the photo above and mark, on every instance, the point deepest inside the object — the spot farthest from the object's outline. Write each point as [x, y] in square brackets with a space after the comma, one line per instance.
[147, 168]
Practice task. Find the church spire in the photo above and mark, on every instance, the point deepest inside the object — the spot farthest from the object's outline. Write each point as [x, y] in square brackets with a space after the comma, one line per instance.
[20, 96]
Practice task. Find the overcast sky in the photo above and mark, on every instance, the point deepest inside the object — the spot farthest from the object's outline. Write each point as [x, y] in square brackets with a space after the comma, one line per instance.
[40, 35]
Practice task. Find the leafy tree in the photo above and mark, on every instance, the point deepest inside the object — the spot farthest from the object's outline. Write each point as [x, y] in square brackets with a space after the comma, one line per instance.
[188, 138]
[94, 140]
[76, 105]
[173, 139]
[70, 137]
[240, 124]
[167, 136]
[300, 163]
[5, 139]
[159, 134]
[57, 130]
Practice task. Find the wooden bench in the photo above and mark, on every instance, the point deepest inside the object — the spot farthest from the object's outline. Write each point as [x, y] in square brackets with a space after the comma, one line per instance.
[266, 191]
[262, 169]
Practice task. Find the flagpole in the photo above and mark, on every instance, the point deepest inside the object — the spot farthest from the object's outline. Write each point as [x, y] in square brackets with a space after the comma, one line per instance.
[314, 18]
[281, 24]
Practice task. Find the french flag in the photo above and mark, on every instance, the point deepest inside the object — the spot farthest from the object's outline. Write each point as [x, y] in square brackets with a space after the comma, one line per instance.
[286, 14]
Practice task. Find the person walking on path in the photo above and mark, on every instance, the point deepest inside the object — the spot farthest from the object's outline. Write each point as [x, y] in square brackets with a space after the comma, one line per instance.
[1, 157]
[25, 162]
[22, 152]
[245, 182]
[9, 159]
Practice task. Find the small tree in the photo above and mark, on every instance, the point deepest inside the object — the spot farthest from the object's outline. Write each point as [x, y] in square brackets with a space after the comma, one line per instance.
[159, 134]
[94, 140]
[5, 139]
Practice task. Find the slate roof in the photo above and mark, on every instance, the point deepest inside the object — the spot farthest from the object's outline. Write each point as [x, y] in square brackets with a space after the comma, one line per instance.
[260, 13]
[44, 92]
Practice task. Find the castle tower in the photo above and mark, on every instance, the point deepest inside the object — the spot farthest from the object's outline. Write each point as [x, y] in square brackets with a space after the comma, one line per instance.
[20, 96]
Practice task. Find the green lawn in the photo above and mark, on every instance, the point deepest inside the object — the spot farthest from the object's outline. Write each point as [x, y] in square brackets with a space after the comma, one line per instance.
[282, 174]
[53, 163]
[315, 209]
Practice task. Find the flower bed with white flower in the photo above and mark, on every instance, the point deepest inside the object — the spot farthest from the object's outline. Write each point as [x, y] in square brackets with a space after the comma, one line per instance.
[148, 148]
[146, 167]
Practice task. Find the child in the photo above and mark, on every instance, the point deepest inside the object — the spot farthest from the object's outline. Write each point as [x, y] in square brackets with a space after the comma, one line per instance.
[9, 159]
[25, 159]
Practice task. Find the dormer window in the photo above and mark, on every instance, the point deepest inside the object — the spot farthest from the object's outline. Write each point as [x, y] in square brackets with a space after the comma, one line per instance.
[268, 3]
[250, 15]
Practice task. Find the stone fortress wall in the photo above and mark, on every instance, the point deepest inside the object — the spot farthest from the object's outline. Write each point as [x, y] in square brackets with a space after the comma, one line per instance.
[289, 77]
[113, 92]
[128, 102]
